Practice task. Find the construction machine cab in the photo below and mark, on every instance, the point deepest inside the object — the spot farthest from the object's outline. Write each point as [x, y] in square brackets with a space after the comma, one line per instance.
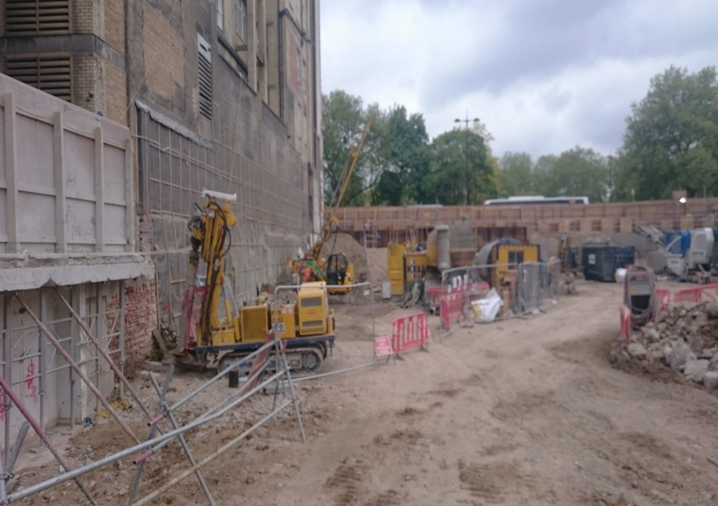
[338, 270]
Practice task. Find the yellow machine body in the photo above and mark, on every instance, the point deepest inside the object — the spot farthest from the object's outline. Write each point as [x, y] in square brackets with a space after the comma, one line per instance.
[313, 309]
[286, 319]
[415, 264]
[395, 268]
[507, 258]
[254, 323]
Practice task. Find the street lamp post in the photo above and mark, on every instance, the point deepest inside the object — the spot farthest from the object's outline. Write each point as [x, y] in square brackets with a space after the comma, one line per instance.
[466, 122]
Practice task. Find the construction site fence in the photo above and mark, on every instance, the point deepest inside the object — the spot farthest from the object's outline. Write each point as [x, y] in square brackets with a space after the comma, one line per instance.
[535, 286]
[695, 294]
[409, 332]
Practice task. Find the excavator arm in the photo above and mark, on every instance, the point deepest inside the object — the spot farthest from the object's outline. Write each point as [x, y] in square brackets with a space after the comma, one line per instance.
[210, 241]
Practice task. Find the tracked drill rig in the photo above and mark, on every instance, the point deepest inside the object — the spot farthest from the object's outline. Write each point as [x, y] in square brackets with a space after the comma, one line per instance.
[215, 328]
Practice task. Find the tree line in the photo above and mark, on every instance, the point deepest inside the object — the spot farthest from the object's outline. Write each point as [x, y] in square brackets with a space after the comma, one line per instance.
[670, 143]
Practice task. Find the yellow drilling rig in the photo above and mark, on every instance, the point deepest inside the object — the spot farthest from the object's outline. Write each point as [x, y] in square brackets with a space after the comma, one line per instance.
[216, 329]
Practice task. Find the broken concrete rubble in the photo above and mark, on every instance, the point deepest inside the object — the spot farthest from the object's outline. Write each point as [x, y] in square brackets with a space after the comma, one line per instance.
[683, 337]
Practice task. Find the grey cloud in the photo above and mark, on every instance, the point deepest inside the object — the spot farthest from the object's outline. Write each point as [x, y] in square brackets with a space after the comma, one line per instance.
[541, 38]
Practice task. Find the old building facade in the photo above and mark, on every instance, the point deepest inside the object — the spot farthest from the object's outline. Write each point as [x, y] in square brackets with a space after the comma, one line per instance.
[150, 102]
[217, 94]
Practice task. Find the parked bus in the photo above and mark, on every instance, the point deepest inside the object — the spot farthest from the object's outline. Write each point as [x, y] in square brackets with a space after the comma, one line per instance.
[538, 199]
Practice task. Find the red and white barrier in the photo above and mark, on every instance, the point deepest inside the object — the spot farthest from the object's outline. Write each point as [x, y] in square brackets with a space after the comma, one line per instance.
[694, 294]
[663, 296]
[409, 332]
[452, 309]
[625, 323]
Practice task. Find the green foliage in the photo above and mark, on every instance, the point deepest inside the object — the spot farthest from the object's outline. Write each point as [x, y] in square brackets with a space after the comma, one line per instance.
[671, 139]
[405, 151]
[344, 120]
[670, 143]
[577, 172]
[446, 181]
[515, 177]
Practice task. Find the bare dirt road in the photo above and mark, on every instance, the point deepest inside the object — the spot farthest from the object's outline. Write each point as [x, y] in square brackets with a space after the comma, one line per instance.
[521, 412]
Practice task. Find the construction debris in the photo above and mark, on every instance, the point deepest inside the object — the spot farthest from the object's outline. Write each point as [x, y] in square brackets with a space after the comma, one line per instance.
[684, 337]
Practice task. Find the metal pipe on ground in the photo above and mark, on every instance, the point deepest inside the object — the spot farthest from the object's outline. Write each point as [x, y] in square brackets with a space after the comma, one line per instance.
[211, 457]
[18, 444]
[39, 487]
[185, 447]
[45, 439]
[61, 350]
[220, 375]
[120, 375]
[153, 426]
[208, 417]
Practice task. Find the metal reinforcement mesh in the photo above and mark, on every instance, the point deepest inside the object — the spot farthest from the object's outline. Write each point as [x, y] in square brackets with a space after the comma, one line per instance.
[537, 285]
[273, 207]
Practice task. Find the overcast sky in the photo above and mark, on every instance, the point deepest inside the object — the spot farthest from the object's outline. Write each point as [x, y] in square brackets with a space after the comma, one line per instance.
[543, 75]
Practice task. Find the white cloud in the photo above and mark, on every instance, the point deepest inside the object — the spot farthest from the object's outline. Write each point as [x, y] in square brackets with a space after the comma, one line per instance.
[544, 75]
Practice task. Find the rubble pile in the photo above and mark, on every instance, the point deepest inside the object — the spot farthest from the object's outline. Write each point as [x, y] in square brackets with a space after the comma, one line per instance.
[685, 338]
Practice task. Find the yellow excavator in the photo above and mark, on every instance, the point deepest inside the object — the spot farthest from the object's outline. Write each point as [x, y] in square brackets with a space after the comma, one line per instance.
[215, 329]
[337, 269]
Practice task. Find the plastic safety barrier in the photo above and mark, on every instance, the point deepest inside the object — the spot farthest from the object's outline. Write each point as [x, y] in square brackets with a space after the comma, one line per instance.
[470, 292]
[694, 294]
[452, 308]
[663, 296]
[409, 332]
[625, 323]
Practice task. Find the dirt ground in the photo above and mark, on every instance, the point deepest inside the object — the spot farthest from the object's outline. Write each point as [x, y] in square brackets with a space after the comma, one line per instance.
[521, 412]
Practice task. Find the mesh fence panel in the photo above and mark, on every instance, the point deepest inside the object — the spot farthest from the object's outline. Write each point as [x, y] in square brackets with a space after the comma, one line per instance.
[537, 285]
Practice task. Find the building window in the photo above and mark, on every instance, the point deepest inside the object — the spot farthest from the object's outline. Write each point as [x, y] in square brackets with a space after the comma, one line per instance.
[33, 17]
[49, 73]
[242, 19]
[220, 14]
[205, 76]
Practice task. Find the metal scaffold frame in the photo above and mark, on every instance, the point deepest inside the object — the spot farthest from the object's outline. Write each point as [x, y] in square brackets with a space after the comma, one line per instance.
[155, 444]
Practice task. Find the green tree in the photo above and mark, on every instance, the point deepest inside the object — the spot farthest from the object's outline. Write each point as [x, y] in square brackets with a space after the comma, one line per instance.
[516, 175]
[445, 181]
[404, 149]
[344, 118]
[671, 139]
[577, 172]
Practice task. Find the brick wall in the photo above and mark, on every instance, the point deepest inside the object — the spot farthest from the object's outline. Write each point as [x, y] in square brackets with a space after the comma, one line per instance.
[140, 318]
[114, 26]
[84, 14]
[2, 17]
[83, 82]
[164, 53]
[115, 93]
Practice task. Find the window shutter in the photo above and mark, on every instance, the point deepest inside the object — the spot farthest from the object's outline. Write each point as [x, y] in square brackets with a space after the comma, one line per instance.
[49, 73]
[37, 17]
[205, 77]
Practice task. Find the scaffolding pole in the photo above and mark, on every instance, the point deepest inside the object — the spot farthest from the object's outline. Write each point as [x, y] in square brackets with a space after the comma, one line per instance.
[61, 350]
[123, 379]
[44, 437]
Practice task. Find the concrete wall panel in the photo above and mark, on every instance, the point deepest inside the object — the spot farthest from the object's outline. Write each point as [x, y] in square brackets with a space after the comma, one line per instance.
[114, 175]
[36, 215]
[80, 156]
[2, 147]
[35, 150]
[114, 225]
[80, 221]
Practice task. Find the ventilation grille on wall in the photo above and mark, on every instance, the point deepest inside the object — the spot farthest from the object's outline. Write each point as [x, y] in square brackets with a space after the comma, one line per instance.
[205, 76]
[49, 73]
[32, 17]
